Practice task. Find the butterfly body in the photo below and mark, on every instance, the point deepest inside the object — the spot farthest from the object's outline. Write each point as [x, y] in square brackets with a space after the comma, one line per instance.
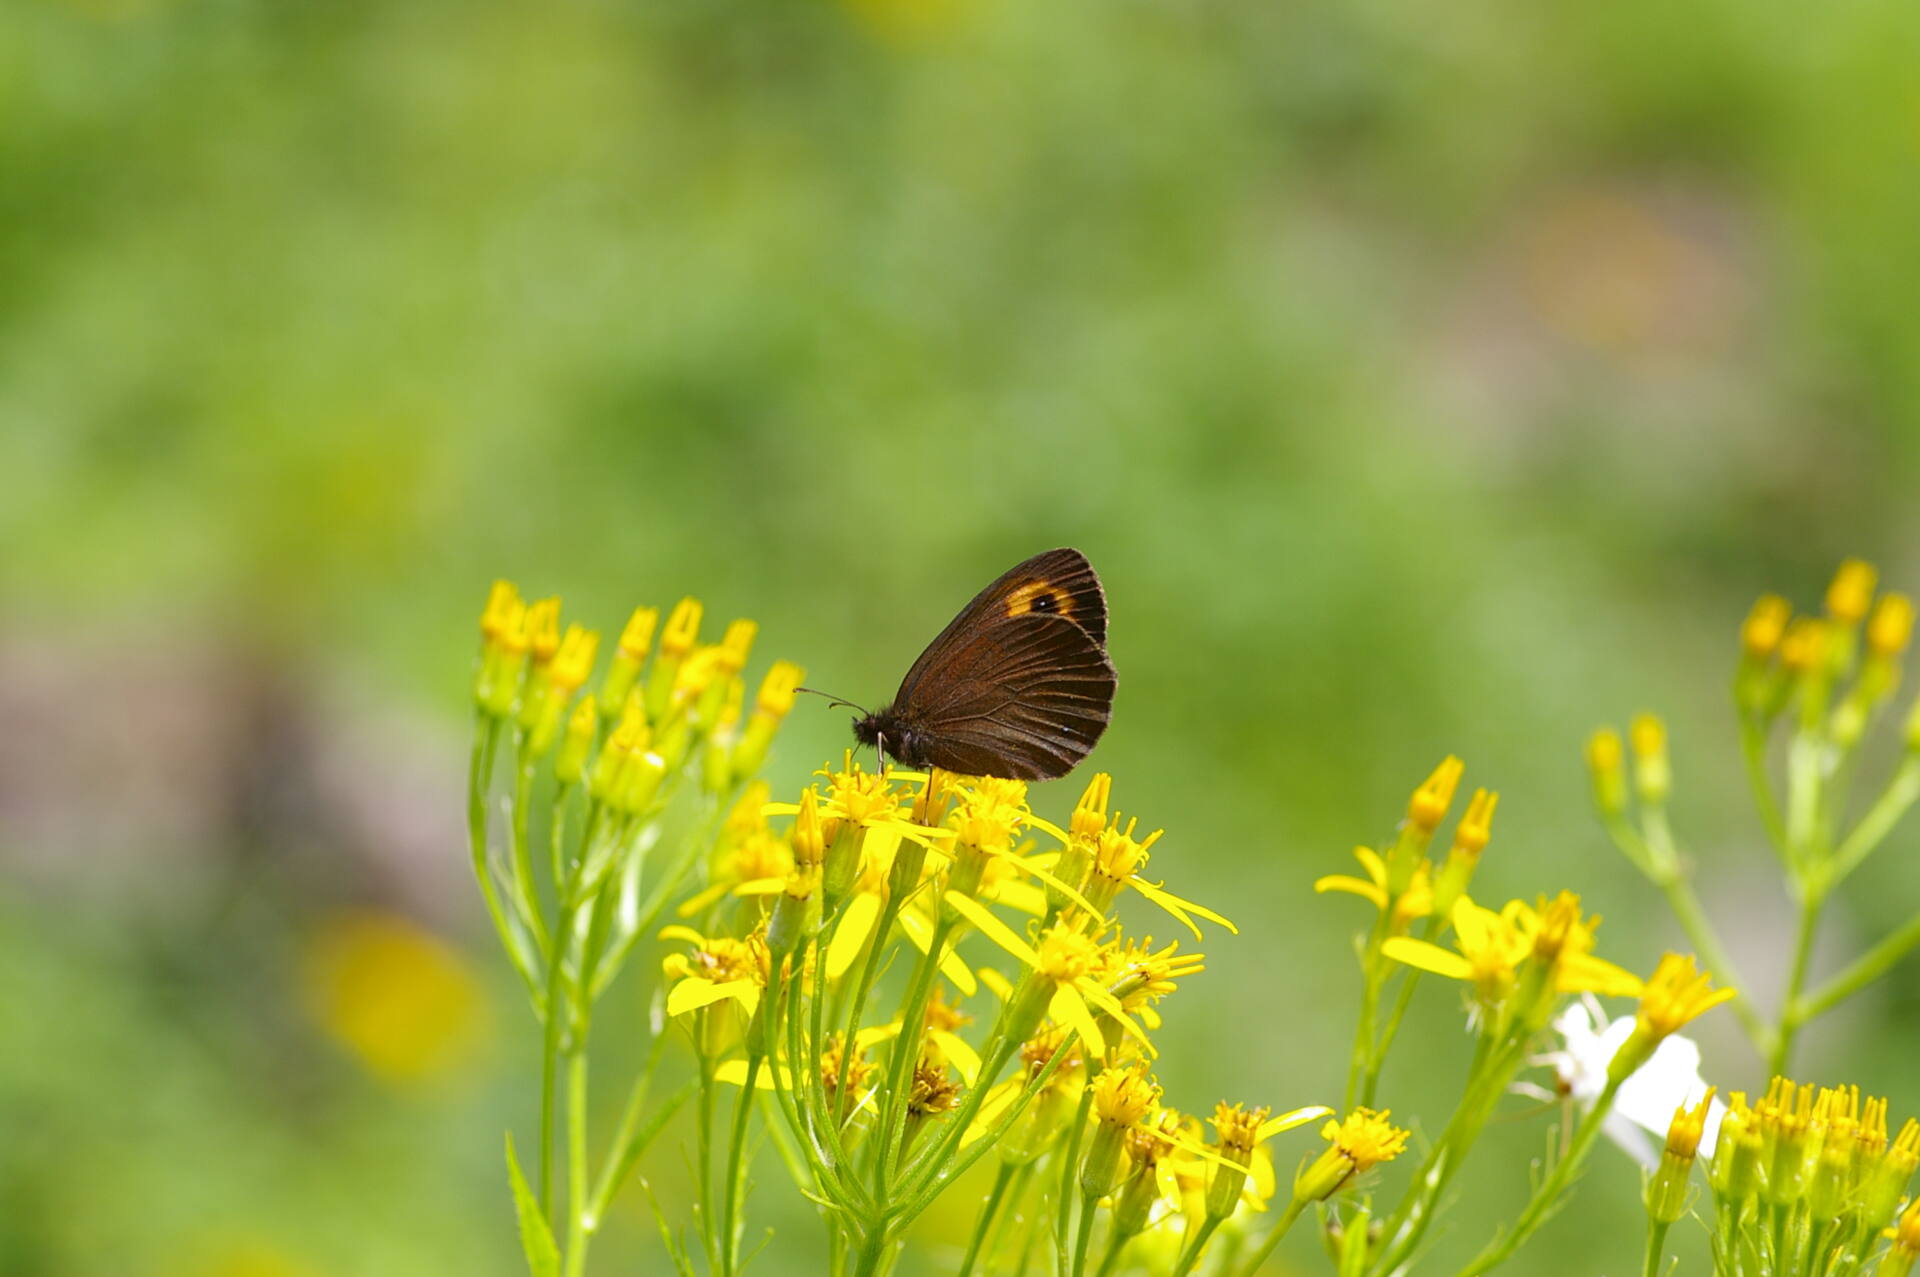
[1017, 685]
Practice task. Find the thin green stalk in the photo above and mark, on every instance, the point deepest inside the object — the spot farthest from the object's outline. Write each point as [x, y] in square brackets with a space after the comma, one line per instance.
[873, 1251]
[1753, 750]
[1280, 1228]
[1195, 1245]
[1373, 977]
[479, 773]
[938, 1178]
[988, 1209]
[524, 767]
[731, 1223]
[1700, 933]
[1656, 1245]
[558, 1008]
[863, 984]
[906, 1049]
[577, 1160]
[703, 1165]
[1790, 1019]
[1069, 1163]
[1863, 971]
[1548, 1195]
[1083, 1236]
[629, 1143]
[1899, 796]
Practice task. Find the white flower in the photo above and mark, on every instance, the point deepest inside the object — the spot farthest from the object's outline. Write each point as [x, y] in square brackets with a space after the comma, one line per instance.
[1647, 1099]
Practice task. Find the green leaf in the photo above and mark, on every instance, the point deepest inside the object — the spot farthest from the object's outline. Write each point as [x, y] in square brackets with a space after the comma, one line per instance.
[543, 1256]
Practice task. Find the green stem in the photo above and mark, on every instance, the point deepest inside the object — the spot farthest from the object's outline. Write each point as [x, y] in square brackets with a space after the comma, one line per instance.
[1790, 1019]
[1548, 1195]
[558, 1007]
[1700, 933]
[906, 1050]
[1753, 749]
[873, 1251]
[480, 770]
[703, 1166]
[1083, 1236]
[1900, 795]
[577, 1160]
[730, 1222]
[1364, 1028]
[1116, 1246]
[524, 766]
[991, 1207]
[1287, 1217]
[631, 1141]
[937, 1178]
[1863, 971]
[1191, 1254]
[1069, 1164]
[1656, 1245]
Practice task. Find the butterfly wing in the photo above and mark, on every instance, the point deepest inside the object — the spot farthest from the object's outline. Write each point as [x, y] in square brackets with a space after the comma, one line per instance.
[1025, 695]
[1058, 583]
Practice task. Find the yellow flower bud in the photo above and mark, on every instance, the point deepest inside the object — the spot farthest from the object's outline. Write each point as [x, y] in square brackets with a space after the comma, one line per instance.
[1851, 592]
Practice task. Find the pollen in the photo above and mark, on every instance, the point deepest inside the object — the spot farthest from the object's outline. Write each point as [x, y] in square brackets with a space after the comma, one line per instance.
[1123, 1096]
[932, 1091]
[1238, 1128]
[1066, 955]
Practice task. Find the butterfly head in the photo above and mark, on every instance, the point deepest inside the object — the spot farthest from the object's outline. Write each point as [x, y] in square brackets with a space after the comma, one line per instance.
[888, 732]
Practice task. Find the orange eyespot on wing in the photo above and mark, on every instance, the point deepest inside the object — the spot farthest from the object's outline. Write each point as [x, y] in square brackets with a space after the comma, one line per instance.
[1040, 596]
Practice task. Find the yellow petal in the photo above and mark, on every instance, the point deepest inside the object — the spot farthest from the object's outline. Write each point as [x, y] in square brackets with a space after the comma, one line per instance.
[879, 846]
[761, 887]
[878, 1033]
[1180, 908]
[1370, 861]
[699, 904]
[695, 992]
[678, 932]
[1584, 973]
[851, 937]
[734, 1073]
[1428, 957]
[1068, 1008]
[965, 1060]
[992, 928]
[952, 966]
[1023, 896]
[1351, 886]
[1001, 986]
[1287, 1121]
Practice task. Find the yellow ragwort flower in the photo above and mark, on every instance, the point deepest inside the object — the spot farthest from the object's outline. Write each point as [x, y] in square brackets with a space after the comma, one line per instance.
[1415, 902]
[1358, 1143]
[1851, 591]
[1760, 633]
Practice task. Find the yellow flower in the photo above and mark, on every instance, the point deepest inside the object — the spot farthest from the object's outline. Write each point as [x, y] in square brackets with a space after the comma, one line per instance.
[715, 969]
[1357, 1144]
[1139, 975]
[1677, 993]
[1606, 760]
[1804, 649]
[1066, 965]
[403, 1002]
[1428, 806]
[1760, 633]
[1851, 591]
[1240, 1131]
[1118, 858]
[1493, 946]
[1123, 1096]
[1415, 902]
[1891, 627]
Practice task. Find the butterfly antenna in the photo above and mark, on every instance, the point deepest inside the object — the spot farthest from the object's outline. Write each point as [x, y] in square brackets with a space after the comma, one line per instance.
[832, 700]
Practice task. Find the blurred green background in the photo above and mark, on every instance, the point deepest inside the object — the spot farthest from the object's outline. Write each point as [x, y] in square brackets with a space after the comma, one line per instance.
[1420, 380]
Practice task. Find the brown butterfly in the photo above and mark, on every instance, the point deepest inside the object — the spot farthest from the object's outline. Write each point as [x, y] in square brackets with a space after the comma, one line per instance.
[1017, 685]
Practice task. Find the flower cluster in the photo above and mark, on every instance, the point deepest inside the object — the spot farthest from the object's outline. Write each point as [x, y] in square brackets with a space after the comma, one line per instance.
[892, 978]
